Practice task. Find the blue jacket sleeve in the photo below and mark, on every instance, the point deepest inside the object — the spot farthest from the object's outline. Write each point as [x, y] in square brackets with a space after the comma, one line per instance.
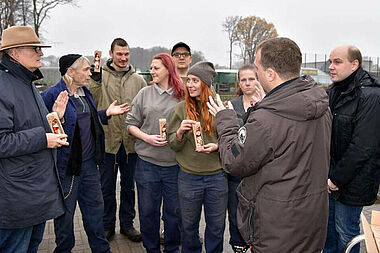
[17, 142]
[103, 117]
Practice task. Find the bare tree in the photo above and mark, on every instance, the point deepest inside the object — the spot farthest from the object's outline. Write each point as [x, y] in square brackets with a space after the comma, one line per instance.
[6, 14]
[230, 26]
[15, 12]
[24, 12]
[41, 9]
[250, 32]
[27, 12]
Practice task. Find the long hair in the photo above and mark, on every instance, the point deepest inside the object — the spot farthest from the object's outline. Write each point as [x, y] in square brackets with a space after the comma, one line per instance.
[174, 80]
[193, 111]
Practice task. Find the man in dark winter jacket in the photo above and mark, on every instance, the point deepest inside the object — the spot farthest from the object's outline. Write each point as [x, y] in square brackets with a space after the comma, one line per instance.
[282, 154]
[355, 151]
[30, 192]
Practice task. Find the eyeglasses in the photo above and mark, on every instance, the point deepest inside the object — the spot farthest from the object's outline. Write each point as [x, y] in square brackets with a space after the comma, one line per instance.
[37, 50]
[184, 55]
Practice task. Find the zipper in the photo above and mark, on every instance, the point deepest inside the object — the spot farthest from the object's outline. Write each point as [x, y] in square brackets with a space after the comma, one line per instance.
[250, 222]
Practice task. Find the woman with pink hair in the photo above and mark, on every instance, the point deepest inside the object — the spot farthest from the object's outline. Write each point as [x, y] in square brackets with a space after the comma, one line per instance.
[157, 169]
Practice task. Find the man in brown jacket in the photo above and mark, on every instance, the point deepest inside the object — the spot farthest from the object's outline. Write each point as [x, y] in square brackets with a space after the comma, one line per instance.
[282, 154]
[118, 80]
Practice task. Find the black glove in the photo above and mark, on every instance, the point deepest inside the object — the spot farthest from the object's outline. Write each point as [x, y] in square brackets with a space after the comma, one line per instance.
[96, 76]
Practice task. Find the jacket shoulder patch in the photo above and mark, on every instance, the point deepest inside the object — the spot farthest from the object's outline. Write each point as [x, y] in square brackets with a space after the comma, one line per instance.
[242, 135]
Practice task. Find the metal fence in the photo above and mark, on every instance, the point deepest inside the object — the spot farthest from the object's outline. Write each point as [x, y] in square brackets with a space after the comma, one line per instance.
[225, 82]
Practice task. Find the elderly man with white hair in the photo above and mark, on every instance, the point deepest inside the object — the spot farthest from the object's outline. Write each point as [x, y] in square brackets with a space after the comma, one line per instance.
[77, 163]
[29, 185]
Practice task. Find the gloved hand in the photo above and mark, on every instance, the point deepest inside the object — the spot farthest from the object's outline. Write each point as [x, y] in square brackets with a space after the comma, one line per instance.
[96, 76]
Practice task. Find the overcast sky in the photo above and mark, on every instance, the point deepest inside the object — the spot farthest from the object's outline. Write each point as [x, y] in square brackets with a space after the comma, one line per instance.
[316, 26]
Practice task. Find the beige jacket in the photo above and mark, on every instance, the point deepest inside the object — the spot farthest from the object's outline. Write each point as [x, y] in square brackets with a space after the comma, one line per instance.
[122, 87]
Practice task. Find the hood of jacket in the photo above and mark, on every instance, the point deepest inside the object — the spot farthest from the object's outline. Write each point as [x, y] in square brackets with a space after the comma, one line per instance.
[300, 100]
[108, 68]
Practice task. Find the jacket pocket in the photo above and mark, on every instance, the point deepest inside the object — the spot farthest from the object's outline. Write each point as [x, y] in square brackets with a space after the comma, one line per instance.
[245, 218]
[20, 166]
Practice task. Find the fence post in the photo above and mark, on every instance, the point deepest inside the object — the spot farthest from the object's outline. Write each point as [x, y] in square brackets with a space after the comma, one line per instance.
[315, 60]
[369, 65]
[304, 63]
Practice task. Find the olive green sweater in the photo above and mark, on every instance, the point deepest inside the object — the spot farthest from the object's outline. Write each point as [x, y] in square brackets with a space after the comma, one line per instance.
[188, 159]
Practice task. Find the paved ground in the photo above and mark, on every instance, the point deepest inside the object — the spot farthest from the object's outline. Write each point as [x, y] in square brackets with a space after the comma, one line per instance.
[120, 243]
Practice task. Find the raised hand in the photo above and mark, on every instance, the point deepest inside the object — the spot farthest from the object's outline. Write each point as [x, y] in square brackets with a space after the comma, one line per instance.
[228, 105]
[60, 104]
[258, 95]
[215, 107]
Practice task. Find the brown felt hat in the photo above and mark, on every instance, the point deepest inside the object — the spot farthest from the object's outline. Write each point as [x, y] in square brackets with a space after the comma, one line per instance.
[19, 36]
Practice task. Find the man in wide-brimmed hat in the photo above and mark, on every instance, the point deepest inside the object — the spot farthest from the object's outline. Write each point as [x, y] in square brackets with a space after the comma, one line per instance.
[29, 187]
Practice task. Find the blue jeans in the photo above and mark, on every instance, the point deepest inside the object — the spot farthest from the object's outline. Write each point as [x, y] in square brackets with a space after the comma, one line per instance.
[108, 174]
[86, 190]
[235, 237]
[155, 183]
[212, 192]
[343, 225]
[21, 240]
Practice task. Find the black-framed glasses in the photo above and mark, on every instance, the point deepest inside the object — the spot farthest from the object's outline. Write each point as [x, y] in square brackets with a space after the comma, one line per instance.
[37, 50]
[179, 55]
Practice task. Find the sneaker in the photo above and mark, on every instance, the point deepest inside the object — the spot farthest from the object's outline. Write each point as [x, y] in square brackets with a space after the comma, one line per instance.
[132, 234]
[108, 233]
[240, 249]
